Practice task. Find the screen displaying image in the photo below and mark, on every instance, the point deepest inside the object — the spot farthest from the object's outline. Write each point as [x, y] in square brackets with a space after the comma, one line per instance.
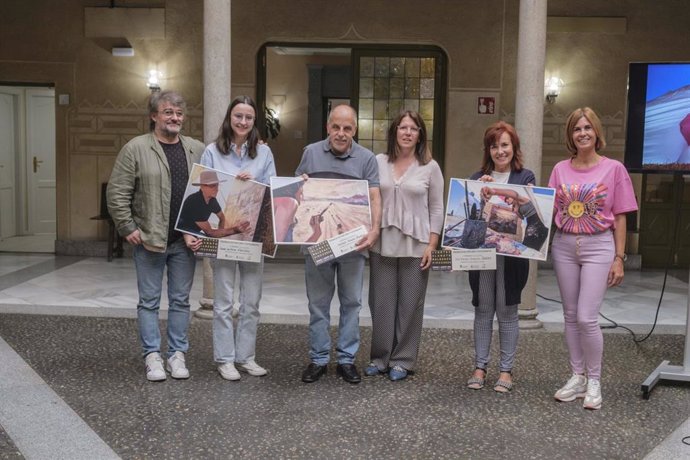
[658, 132]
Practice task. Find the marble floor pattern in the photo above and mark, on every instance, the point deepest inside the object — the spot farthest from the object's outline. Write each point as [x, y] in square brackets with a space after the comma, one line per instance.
[70, 286]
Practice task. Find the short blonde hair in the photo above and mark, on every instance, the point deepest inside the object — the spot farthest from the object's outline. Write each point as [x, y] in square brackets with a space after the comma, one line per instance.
[592, 117]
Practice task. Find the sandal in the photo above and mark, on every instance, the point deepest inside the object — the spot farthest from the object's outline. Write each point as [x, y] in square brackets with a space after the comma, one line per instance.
[477, 383]
[503, 386]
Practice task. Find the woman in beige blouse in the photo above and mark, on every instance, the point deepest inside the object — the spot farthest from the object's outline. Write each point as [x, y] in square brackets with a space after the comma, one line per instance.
[412, 218]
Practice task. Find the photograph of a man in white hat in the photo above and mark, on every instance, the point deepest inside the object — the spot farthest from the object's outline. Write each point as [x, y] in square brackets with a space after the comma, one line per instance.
[201, 205]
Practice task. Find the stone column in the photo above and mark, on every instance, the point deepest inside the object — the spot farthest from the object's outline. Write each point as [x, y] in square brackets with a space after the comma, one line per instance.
[217, 93]
[529, 119]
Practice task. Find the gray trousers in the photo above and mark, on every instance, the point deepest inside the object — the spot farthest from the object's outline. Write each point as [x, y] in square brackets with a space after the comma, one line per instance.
[492, 301]
[397, 288]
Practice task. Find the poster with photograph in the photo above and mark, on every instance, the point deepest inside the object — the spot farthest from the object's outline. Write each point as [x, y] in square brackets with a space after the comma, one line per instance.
[513, 219]
[216, 205]
[316, 210]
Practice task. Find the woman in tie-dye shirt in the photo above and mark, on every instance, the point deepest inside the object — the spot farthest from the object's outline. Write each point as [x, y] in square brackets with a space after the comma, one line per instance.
[593, 193]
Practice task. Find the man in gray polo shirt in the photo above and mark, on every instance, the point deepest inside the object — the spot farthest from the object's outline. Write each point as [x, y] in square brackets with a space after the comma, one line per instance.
[339, 156]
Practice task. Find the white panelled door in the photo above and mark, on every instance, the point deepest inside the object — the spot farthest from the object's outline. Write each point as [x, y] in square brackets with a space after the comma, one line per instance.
[40, 160]
[8, 155]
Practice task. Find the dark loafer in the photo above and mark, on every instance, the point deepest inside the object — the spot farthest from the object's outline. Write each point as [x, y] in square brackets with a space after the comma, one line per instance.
[349, 373]
[313, 372]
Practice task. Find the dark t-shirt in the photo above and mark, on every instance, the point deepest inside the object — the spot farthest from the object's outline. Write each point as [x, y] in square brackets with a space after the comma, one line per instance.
[179, 175]
[195, 209]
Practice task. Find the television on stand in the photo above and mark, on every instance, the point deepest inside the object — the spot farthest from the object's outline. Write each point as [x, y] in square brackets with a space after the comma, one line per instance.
[658, 124]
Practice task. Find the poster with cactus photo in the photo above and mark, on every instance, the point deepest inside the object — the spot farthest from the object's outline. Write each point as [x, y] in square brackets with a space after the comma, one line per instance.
[513, 219]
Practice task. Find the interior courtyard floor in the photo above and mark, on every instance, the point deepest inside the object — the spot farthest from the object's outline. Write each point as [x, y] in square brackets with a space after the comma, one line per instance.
[72, 380]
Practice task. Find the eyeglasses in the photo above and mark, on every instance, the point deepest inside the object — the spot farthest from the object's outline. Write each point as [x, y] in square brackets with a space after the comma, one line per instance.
[409, 129]
[168, 113]
[241, 116]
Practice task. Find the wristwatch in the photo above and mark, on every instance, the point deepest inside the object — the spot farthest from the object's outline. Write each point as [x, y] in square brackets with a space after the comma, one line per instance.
[623, 257]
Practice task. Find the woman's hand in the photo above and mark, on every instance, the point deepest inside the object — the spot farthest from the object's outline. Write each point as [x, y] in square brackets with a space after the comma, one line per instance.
[244, 175]
[426, 258]
[486, 178]
[616, 272]
[192, 242]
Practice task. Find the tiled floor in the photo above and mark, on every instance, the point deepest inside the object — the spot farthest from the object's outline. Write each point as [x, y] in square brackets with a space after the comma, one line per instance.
[92, 286]
[68, 365]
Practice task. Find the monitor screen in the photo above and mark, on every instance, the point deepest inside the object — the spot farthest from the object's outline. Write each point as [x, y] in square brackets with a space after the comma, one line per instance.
[658, 128]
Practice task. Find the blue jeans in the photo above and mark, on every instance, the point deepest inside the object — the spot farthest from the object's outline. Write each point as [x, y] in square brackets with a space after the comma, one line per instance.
[229, 347]
[349, 271]
[150, 267]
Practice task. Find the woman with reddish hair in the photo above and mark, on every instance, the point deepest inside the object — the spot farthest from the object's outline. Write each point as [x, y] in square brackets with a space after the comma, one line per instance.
[497, 292]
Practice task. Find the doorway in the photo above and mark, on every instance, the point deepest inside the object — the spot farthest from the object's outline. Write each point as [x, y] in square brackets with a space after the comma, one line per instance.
[298, 81]
[27, 169]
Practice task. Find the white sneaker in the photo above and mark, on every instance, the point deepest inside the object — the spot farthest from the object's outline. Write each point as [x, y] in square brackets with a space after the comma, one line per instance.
[251, 368]
[228, 371]
[575, 388]
[176, 366]
[154, 367]
[593, 398]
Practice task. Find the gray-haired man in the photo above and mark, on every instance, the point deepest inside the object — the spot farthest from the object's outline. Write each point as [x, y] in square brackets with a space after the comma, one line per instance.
[145, 193]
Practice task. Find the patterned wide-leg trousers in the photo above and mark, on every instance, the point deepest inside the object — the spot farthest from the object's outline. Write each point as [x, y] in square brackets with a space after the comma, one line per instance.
[397, 288]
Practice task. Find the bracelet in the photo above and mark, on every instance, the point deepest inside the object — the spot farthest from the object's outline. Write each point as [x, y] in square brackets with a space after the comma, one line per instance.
[623, 257]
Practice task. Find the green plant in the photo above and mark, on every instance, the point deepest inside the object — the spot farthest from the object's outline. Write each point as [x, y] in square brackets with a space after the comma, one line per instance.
[271, 124]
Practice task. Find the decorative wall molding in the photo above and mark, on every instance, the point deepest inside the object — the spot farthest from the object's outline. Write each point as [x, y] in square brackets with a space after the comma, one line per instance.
[103, 129]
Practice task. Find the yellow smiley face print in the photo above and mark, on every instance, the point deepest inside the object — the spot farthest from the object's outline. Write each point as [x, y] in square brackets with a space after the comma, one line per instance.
[576, 209]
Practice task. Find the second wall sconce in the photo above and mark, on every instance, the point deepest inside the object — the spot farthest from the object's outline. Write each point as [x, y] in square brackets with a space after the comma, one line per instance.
[552, 89]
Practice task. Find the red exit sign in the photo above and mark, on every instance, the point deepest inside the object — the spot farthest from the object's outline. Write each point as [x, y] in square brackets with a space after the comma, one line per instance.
[486, 105]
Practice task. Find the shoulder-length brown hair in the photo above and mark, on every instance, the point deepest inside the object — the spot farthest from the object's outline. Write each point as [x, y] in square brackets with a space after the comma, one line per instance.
[421, 150]
[491, 136]
[572, 120]
[226, 135]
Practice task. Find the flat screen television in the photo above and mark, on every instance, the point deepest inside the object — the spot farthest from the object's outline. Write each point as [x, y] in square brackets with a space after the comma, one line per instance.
[658, 127]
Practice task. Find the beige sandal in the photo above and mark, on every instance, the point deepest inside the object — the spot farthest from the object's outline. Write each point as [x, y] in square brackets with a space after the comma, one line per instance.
[477, 383]
[503, 386]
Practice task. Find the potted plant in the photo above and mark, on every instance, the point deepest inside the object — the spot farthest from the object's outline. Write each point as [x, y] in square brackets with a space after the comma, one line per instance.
[271, 124]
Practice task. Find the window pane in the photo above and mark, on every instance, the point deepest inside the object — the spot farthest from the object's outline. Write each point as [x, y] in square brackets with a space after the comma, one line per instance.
[426, 110]
[364, 129]
[366, 67]
[366, 87]
[397, 67]
[380, 128]
[381, 109]
[381, 67]
[366, 108]
[411, 88]
[381, 88]
[379, 147]
[428, 65]
[397, 88]
[411, 104]
[426, 88]
[394, 107]
[412, 67]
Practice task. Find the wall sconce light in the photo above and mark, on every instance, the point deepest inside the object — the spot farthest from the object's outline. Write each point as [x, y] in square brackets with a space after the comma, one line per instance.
[552, 89]
[278, 102]
[153, 81]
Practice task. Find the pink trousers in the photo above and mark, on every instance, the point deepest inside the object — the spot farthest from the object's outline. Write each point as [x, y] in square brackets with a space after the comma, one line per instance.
[582, 264]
